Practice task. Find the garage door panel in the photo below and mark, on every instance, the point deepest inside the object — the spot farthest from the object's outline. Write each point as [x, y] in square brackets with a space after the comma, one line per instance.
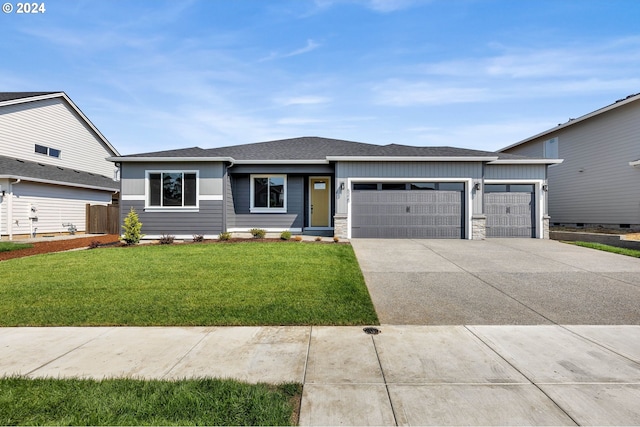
[510, 214]
[407, 214]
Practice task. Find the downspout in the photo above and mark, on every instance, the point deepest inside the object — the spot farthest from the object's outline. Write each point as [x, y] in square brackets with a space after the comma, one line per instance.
[10, 208]
[225, 184]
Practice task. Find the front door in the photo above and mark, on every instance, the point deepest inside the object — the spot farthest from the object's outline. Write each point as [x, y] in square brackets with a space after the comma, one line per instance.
[320, 206]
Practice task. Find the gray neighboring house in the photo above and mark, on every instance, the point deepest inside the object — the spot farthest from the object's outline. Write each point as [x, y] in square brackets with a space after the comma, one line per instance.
[598, 182]
[335, 187]
[53, 162]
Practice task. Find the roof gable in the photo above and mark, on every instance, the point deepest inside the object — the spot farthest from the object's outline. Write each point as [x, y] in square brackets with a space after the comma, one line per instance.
[12, 98]
[572, 122]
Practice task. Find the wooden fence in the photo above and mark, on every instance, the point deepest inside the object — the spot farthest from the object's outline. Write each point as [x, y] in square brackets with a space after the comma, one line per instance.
[103, 219]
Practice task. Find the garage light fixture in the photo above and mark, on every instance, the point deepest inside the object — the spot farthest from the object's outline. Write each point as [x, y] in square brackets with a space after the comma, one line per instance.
[342, 186]
[545, 187]
[477, 186]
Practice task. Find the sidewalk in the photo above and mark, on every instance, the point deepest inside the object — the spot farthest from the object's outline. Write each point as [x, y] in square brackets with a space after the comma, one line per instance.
[438, 375]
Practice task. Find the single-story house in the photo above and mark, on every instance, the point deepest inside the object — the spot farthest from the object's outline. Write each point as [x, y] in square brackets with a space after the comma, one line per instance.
[53, 162]
[598, 182]
[348, 189]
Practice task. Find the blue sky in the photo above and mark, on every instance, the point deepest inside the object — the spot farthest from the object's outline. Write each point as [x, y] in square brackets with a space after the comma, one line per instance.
[155, 75]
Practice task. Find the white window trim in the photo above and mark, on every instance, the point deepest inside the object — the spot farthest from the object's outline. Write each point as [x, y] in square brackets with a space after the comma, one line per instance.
[254, 209]
[147, 199]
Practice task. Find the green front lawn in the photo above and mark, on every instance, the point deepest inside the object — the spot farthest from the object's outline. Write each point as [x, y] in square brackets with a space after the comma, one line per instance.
[137, 402]
[253, 283]
[10, 246]
[607, 248]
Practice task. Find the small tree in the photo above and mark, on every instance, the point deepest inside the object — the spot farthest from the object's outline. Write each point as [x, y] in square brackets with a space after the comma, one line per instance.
[132, 228]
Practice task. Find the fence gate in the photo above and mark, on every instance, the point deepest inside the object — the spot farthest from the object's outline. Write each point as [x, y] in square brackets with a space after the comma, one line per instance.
[103, 219]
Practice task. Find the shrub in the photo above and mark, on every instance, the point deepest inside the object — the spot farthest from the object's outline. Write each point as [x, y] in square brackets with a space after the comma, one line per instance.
[298, 238]
[132, 228]
[318, 239]
[258, 233]
[336, 239]
[94, 244]
[225, 236]
[166, 239]
[198, 238]
[285, 235]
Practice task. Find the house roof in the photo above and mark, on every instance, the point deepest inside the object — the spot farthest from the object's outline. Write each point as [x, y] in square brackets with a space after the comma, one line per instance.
[572, 122]
[13, 168]
[12, 98]
[311, 149]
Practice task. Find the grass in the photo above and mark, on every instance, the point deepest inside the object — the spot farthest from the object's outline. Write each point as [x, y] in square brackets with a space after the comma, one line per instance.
[10, 246]
[607, 248]
[136, 402]
[253, 283]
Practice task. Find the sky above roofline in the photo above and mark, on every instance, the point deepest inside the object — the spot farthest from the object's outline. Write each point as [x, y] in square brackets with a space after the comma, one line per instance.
[481, 74]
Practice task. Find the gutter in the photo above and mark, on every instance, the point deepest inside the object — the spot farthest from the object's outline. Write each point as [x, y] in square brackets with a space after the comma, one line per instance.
[10, 208]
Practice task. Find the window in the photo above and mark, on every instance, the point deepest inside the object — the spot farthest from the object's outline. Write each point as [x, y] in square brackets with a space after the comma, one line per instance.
[172, 189]
[365, 186]
[551, 148]
[41, 149]
[268, 193]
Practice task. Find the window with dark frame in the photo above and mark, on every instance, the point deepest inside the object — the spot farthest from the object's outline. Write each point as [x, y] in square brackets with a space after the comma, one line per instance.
[47, 151]
[172, 189]
[269, 192]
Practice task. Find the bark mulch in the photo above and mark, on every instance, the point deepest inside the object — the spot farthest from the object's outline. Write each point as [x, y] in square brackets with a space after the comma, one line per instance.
[60, 245]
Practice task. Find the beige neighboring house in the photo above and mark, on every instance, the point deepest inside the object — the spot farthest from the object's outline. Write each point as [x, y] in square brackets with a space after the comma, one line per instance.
[598, 184]
[52, 164]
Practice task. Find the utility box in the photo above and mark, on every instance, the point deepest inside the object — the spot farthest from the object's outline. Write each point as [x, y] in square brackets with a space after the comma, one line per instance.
[33, 212]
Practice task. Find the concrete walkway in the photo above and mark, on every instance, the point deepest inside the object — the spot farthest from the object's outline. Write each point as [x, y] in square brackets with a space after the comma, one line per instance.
[425, 375]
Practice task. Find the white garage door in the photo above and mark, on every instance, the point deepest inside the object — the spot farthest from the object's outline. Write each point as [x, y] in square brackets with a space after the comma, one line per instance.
[408, 210]
[510, 210]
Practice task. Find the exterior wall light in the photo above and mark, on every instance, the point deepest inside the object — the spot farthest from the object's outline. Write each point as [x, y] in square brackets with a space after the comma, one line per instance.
[477, 186]
[545, 187]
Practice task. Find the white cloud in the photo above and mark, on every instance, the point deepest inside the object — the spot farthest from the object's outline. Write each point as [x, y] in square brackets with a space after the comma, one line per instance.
[380, 6]
[304, 100]
[311, 46]
[401, 93]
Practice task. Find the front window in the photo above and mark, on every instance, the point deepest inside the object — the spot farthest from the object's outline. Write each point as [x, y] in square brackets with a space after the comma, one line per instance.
[268, 193]
[172, 189]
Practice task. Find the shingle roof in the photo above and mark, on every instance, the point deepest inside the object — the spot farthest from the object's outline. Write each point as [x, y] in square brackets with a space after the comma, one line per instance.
[10, 96]
[42, 172]
[317, 148]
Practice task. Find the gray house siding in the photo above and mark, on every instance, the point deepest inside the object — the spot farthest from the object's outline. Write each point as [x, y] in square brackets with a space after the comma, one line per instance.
[516, 172]
[54, 124]
[239, 215]
[133, 176]
[422, 170]
[207, 221]
[595, 184]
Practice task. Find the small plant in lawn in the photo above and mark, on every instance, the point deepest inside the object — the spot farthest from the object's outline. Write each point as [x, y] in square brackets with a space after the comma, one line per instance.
[132, 228]
[258, 233]
[298, 238]
[166, 239]
[225, 236]
[318, 239]
[285, 235]
[336, 239]
[198, 238]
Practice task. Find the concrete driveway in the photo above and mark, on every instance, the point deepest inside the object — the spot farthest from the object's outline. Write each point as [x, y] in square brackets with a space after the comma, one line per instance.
[498, 282]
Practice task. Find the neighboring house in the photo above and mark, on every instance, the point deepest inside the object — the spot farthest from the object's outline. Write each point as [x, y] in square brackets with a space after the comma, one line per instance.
[52, 163]
[349, 189]
[598, 184]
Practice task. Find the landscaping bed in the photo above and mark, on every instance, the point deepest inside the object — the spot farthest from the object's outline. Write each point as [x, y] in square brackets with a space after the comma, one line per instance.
[59, 245]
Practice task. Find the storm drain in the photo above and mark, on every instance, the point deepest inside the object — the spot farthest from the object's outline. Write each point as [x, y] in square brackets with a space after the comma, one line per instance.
[371, 331]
